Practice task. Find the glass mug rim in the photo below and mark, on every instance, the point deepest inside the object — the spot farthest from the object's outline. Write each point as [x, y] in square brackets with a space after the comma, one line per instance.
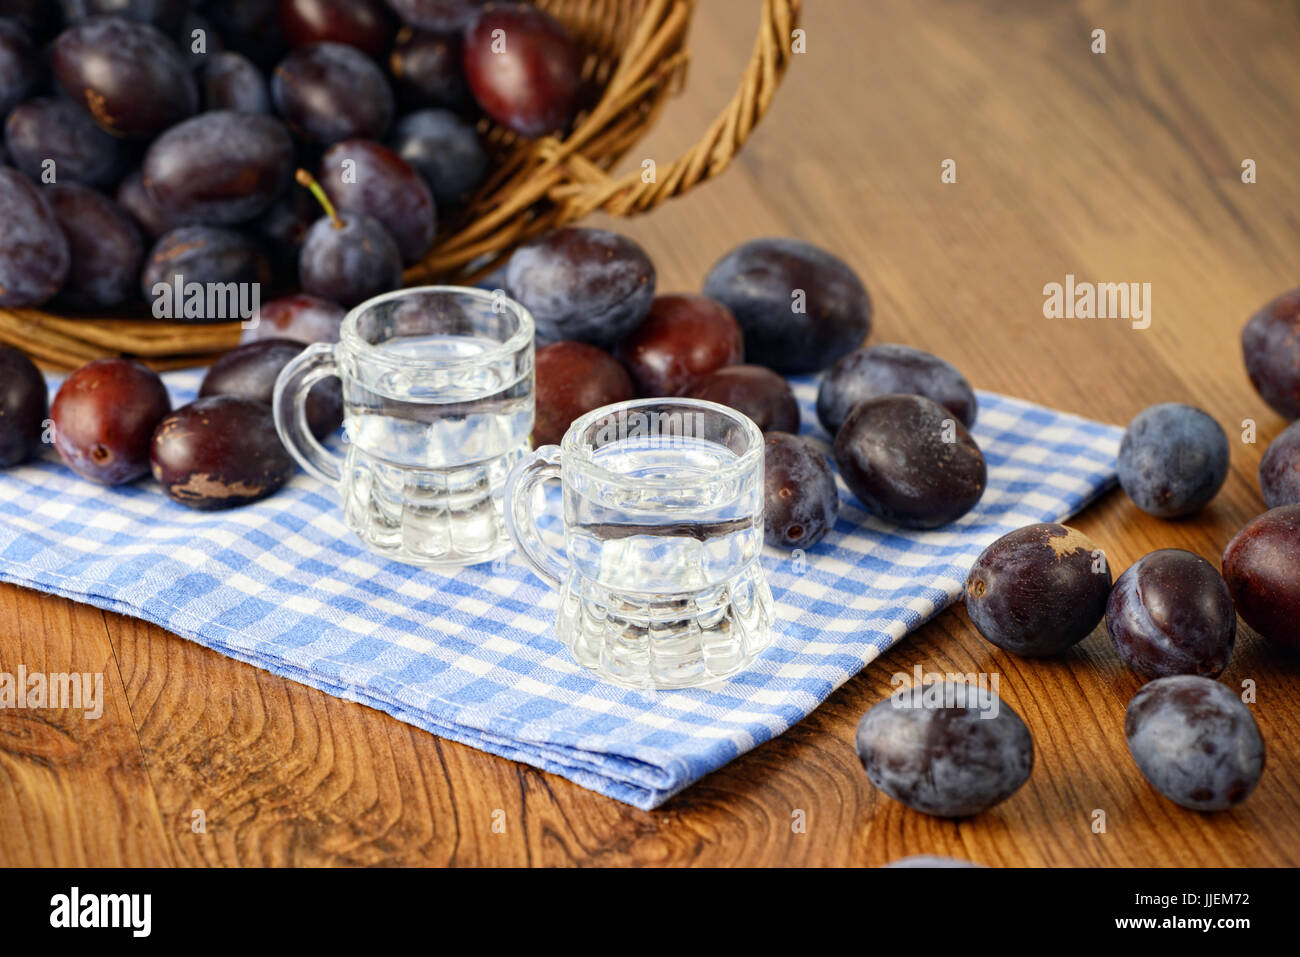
[580, 455]
[716, 620]
[363, 367]
[350, 336]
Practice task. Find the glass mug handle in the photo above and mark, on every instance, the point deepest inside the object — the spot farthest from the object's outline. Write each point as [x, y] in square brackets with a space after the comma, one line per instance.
[521, 521]
[289, 404]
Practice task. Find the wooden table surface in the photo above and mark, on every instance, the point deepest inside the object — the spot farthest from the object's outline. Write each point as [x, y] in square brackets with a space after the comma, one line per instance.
[1123, 166]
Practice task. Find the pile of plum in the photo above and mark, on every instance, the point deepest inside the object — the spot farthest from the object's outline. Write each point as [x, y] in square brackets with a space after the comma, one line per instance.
[151, 141]
[112, 423]
[899, 414]
[769, 308]
[1172, 615]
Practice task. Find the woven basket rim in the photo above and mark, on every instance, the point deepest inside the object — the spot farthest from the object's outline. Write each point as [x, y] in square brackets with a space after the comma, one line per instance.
[539, 185]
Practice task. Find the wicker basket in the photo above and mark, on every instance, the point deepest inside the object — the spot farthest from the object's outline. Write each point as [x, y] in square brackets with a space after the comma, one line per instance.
[635, 54]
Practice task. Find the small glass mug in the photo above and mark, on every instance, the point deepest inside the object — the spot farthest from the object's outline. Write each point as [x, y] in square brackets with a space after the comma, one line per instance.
[663, 530]
[437, 409]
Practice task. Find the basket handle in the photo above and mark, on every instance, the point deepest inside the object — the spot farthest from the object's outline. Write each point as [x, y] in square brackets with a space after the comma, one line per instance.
[589, 188]
[573, 185]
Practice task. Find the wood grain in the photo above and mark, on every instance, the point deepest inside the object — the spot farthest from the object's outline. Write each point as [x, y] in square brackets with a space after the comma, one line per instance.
[1123, 166]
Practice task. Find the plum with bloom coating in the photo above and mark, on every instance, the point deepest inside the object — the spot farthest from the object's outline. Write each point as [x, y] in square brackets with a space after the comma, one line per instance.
[445, 150]
[1270, 343]
[910, 462]
[588, 285]
[1173, 460]
[800, 307]
[129, 76]
[437, 14]
[1279, 470]
[105, 246]
[328, 92]
[23, 403]
[220, 168]
[945, 749]
[48, 130]
[891, 369]
[1195, 742]
[34, 256]
[346, 259]
[364, 177]
[200, 255]
[800, 499]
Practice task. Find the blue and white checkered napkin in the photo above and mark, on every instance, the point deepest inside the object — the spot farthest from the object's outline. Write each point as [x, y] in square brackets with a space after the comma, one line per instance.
[283, 585]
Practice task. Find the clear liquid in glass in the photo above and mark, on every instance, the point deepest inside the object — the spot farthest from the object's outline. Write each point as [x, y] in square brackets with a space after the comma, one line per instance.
[665, 588]
[429, 450]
